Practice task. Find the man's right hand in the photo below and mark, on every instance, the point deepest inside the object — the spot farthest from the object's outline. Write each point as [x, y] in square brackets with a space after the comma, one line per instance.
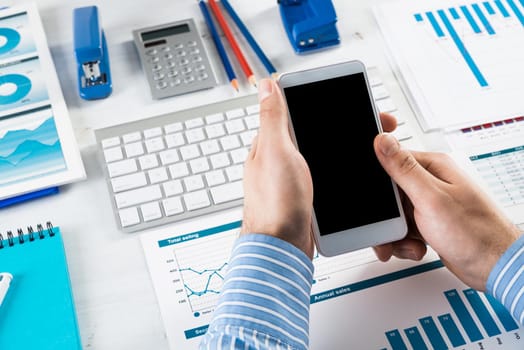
[446, 210]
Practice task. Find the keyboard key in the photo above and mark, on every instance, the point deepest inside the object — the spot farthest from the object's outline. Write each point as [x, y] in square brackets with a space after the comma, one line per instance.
[209, 147]
[123, 167]
[235, 113]
[173, 127]
[153, 132]
[214, 118]
[215, 130]
[148, 161]
[155, 145]
[253, 109]
[157, 175]
[175, 140]
[111, 142]
[169, 156]
[172, 188]
[220, 160]
[235, 172]
[227, 192]
[215, 177]
[151, 211]
[229, 142]
[239, 155]
[196, 200]
[235, 126]
[141, 195]
[193, 183]
[113, 154]
[132, 137]
[193, 123]
[189, 152]
[129, 217]
[128, 182]
[178, 170]
[173, 206]
[134, 149]
[195, 135]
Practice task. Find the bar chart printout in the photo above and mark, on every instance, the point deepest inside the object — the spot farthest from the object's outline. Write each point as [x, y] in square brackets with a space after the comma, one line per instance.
[465, 65]
[357, 302]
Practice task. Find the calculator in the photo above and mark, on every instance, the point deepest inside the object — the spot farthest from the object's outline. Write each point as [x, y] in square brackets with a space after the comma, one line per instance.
[174, 59]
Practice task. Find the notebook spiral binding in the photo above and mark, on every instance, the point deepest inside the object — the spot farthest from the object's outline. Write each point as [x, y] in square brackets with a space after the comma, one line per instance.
[31, 236]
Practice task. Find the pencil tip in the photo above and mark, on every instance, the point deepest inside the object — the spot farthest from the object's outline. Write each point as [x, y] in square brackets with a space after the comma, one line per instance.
[253, 80]
[234, 83]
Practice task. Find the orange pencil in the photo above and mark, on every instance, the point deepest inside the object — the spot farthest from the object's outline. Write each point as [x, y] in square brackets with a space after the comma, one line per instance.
[231, 39]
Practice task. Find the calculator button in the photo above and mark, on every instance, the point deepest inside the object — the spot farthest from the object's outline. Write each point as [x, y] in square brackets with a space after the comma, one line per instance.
[151, 52]
[168, 56]
[172, 73]
[189, 79]
[170, 64]
[176, 82]
[187, 70]
[179, 46]
[161, 85]
[194, 51]
[181, 53]
[159, 76]
[166, 48]
[184, 61]
[197, 59]
[156, 68]
[154, 59]
[203, 76]
[191, 43]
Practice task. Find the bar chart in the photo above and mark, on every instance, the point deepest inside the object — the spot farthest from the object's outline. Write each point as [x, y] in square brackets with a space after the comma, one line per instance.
[460, 316]
[457, 61]
[413, 309]
[478, 17]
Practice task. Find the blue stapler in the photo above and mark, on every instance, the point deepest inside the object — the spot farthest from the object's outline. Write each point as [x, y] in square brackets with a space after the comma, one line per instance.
[94, 77]
[310, 24]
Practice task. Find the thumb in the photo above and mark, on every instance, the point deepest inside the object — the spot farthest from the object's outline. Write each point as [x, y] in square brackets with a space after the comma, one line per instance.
[273, 114]
[402, 166]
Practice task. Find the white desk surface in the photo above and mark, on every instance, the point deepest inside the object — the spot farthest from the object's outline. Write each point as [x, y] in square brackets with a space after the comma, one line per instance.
[114, 296]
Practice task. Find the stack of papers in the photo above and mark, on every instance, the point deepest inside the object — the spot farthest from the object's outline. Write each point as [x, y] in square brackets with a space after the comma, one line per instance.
[460, 63]
[38, 148]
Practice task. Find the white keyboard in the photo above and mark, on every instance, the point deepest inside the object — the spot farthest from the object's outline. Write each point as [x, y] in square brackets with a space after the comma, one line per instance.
[188, 163]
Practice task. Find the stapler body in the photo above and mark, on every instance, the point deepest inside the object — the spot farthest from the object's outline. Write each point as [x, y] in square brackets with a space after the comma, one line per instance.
[310, 24]
[92, 57]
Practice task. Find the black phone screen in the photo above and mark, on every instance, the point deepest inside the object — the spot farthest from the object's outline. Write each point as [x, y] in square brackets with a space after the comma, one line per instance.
[335, 126]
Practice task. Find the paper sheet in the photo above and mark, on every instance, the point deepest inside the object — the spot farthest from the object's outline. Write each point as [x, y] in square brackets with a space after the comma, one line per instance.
[357, 302]
[37, 144]
[459, 62]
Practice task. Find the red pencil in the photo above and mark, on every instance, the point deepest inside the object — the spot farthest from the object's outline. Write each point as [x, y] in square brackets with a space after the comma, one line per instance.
[231, 39]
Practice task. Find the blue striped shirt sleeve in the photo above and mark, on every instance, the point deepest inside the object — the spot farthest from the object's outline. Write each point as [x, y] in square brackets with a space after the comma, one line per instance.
[506, 280]
[264, 301]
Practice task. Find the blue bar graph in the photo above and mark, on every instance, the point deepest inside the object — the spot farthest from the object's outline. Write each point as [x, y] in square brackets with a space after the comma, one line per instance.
[434, 336]
[451, 329]
[463, 315]
[482, 312]
[502, 8]
[483, 19]
[415, 338]
[395, 340]
[478, 16]
[508, 322]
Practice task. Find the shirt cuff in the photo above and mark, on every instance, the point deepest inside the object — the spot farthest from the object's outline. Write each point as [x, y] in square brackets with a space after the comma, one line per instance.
[506, 280]
[266, 292]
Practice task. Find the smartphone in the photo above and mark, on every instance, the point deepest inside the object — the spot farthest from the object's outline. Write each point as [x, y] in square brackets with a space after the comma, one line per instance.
[333, 122]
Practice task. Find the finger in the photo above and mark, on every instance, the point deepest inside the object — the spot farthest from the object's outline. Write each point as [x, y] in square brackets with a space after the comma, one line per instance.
[273, 127]
[402, 166]
[384, 252]
[413, 249]
[389, 122]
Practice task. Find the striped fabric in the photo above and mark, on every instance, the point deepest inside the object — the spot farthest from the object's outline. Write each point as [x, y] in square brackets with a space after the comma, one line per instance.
[264, 303]
[506, 280]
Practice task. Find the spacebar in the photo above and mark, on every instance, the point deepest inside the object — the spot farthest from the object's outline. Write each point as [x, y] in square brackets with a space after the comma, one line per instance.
[227, 192]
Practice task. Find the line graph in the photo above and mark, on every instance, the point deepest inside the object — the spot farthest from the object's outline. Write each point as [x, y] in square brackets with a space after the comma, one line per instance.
[202, 264]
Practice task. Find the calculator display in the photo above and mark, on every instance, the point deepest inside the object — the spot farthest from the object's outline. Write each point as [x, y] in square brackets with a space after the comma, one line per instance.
[161, 33]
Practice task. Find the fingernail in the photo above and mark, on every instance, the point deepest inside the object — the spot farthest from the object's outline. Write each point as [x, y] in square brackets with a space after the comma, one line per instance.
[265, 89]
[388, 144]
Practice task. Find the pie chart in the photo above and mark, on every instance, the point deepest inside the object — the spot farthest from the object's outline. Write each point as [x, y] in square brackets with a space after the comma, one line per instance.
[9, 39]
[13, 87]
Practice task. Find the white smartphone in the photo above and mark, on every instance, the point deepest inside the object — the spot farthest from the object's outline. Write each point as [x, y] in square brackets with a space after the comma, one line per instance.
[333, 121]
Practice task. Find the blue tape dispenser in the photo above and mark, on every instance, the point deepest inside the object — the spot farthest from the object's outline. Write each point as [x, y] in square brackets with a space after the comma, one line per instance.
[310, 24]
[92, 57]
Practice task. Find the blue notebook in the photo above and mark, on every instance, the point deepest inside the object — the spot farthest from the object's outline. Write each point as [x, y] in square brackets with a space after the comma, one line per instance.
[38, 311]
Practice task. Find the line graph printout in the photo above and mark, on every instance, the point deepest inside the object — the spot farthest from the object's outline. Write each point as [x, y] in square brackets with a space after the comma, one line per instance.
[459, 62]
[357, 302]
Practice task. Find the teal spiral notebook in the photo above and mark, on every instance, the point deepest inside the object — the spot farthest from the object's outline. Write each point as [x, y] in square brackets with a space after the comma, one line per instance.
[38, 310]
